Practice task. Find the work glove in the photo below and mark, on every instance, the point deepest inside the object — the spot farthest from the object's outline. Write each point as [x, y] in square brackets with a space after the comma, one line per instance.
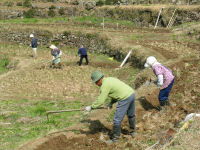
[30, 45]
[88, 108]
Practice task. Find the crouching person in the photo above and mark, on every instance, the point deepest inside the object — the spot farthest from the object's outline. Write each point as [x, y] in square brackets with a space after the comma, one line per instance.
[118, 91]
[165, 80]
[56, 53]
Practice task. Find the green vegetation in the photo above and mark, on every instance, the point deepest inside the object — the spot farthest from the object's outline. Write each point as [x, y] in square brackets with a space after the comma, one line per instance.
[4, 62]
[98, 20]
[30, 13]
[111, 2]
[51, 12]
[27, 3]
[23, 120]
[61, 11]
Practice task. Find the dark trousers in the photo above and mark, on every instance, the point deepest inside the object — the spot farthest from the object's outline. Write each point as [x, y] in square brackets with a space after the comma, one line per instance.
[164, 93]
[124, 107]
[81, 59]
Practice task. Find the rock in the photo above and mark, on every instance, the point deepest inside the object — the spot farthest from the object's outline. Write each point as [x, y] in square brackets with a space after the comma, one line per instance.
[74, 2]
[90, 5]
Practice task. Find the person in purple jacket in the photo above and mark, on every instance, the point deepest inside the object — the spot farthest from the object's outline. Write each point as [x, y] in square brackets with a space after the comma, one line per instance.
[165, 80]
[82, 52]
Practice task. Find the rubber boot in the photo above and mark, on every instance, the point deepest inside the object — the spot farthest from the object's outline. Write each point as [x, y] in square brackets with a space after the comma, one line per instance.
[132, 126]
[167, 102]
[162, 105]
[116, 134]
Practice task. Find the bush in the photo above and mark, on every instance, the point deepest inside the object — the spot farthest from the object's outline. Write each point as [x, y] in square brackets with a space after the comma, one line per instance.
[27, 3]
[52, 7]
[61, 11]
[51, 13]
[100, 3]
[9, 4]
[111, 2]
[19, 4]
[30, 13]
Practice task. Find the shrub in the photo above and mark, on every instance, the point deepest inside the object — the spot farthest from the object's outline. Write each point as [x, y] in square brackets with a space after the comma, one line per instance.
[111, 2]
[52, 7]
[27, 3]
[66, 33]
[51, 13]
[9, 4]
[30, 13]
[61, 11]
[100, 3]
[19, 4]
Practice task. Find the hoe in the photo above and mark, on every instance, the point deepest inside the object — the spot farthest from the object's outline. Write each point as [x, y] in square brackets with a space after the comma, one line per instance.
[70, 110]
[60, 111]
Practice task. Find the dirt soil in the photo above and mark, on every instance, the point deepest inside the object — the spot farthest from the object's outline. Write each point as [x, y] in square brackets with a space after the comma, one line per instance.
[150, 123]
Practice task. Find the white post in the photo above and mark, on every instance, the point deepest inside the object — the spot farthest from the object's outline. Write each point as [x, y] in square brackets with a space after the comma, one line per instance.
[124, 61]
[103, 23]
[117, 25]
[158, 17]
[171, 19]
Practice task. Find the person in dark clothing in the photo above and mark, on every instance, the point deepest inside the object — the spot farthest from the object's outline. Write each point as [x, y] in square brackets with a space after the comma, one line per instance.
[34, 45]
[82, 52]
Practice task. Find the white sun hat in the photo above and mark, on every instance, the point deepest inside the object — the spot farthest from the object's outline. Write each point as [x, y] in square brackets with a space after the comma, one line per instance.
[150, 61]
[52, 47]
[31, 35]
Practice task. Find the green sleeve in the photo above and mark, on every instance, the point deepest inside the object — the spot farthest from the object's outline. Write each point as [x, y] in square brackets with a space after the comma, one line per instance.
[102, 97]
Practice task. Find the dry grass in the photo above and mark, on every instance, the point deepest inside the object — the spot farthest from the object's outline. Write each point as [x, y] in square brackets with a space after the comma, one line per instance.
[189, 139]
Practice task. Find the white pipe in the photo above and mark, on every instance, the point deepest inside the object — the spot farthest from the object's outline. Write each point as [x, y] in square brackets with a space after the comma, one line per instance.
[129, 53]
[158, 17]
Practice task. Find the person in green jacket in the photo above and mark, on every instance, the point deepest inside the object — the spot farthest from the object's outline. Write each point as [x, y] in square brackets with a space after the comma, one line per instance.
[116, 91]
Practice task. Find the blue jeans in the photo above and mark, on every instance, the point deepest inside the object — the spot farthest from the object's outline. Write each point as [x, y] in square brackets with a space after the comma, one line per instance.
[123, 107]
[164, 93]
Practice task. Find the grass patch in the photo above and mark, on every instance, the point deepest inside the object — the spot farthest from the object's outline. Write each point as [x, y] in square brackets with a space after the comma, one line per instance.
[28, 120]
[98, 20]
[83, 19]
[4, 62]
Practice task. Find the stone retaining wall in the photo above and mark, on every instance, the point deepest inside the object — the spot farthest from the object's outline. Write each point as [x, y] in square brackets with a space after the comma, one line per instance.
[93, 42]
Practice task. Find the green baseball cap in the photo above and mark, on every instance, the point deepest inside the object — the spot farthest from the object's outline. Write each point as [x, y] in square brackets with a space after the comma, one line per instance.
[96, 75]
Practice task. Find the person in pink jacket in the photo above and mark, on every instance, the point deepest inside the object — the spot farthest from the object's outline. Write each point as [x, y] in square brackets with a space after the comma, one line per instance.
[165, 80]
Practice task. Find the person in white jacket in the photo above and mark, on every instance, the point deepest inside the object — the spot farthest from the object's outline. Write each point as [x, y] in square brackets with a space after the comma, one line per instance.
[165, 80]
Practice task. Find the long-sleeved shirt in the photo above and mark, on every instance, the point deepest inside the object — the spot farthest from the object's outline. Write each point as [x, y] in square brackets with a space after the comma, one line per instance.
[112, 88]
[168, 76]
[82, 51]
[34, 43]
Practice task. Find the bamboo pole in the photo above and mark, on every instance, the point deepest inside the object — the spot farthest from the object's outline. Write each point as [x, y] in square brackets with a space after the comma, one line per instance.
[171, 18]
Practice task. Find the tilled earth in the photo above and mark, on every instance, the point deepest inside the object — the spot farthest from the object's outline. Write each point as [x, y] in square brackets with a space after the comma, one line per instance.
[151, 124]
